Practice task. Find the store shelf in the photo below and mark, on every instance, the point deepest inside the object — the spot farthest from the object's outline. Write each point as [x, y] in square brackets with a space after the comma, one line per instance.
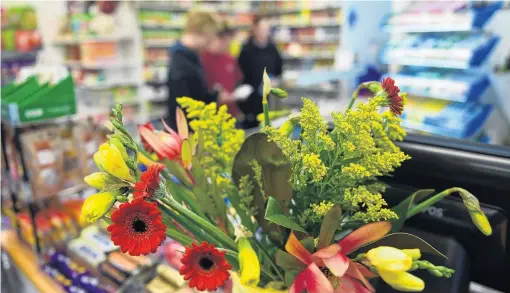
[280, 11]
[158, 43]
[98, 66]
[469, 19]
[72, 40]
[439, 84]
[161, 26]
[8, 56]
[312, 40]
[416, 51]
[331, 23]
[106, 86]
[156, 83]
[26, 261]
[310, 56]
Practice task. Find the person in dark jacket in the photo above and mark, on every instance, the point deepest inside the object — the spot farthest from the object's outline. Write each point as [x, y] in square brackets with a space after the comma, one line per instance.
[258, 52]
[186, 73]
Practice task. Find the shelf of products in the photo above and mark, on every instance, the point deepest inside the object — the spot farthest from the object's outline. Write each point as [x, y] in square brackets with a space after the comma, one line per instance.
[454, 50]
[442, 17]
[442, 51]
[21, 41]
[451, 85]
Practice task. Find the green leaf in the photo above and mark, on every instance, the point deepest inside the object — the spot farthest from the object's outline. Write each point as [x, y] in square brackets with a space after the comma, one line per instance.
[287, 261]
[276, 171]
[403, 208]
[274, 213]
[290, 276]
[186, 152]
[309, 244]
[178, 171]
[233, 259]
[403, 241]
[329, 226]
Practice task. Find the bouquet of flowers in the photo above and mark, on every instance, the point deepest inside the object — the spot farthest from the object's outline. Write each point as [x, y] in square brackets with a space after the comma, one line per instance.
[297, 208]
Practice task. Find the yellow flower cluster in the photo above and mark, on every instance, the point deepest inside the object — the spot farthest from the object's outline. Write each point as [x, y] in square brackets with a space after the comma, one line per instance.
[373, 204]
[336, 166]
[314, 166]
[321, 209]
[314, 128]
[222, 141]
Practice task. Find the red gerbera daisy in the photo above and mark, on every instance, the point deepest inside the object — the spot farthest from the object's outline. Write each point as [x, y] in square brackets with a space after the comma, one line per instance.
[205, 267]
[137, 227]
[149, 182]
[395, 102]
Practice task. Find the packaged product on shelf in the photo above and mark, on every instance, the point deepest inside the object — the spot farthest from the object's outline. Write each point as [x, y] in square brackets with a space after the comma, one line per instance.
[44, 160]
[87, 252]
[170, 275]
[88, 141]
[112, 273]
[72, 170]
[78, 274]
[98, 238]
[122, 263]
[64, 282]
[159, 285]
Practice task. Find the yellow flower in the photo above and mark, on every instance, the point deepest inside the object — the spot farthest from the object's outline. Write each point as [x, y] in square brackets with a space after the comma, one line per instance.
[97, 180]
[481, 221]
[98, 205]
[109, 159]
[392, 265]
[248, 262]
[118, 144]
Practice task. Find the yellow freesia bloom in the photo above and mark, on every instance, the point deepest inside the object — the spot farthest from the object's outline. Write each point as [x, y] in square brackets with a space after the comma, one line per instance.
[481, 221]
[402, 281]
[118, 144]
[392, 265]
[109, 159]
[248, 262]
[98, 180]
[97, 205]
[145, 160]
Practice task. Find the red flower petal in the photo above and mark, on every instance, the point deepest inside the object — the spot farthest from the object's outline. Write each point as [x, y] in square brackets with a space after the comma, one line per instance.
[337, 264]
[294, 247]
[364, 235]
[388, 84]
[311, 280]
[149, 182]
[137, 224]
[353, 271]
[350, 285]
[205, 267]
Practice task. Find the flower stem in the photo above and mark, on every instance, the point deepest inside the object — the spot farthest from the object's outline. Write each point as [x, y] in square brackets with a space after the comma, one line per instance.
[265, 107]
[199, 234]
[426, 203]
[202, 223]
[269, 258]
[179, 237]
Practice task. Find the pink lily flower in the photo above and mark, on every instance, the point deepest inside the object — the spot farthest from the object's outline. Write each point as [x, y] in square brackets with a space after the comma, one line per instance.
[167, 145]
[332, 262]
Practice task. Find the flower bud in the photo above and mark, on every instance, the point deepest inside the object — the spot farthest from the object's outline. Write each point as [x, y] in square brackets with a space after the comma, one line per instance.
[402, 281]
[109, 159]
[248, 263]
[389, 259]
[97, 205]
[288, 126]
[279, 93]
[413, 253]
[481, 222]
[97, 180]
[266, 86]
[118, 144]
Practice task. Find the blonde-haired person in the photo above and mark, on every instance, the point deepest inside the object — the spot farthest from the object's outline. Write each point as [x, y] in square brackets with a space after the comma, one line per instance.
[186, 73]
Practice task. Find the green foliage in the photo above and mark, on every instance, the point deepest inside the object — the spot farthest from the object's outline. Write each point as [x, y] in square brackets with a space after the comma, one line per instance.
[342, 166]
[274, 213]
